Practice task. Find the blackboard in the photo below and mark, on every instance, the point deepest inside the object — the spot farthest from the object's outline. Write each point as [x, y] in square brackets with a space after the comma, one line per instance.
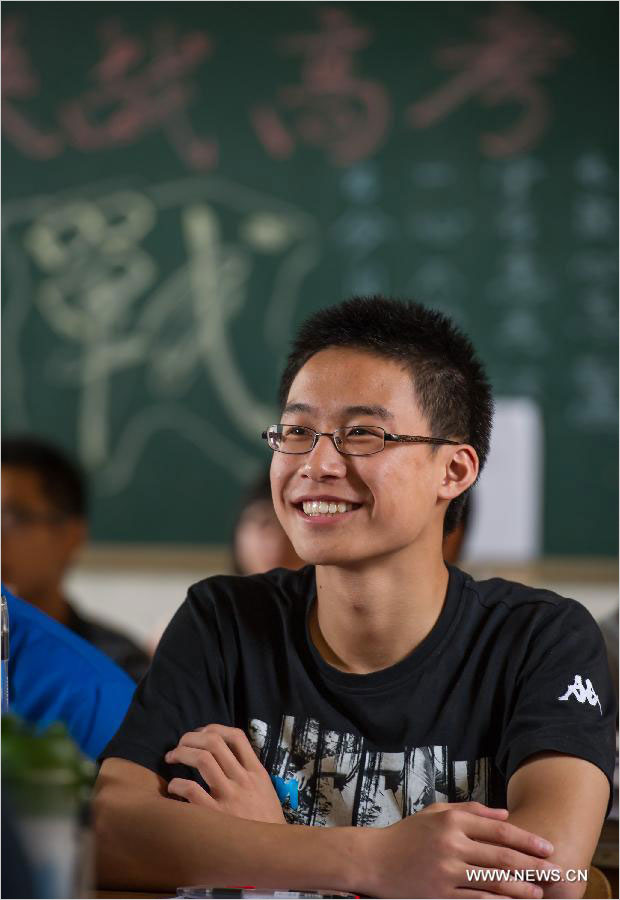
[184, 182]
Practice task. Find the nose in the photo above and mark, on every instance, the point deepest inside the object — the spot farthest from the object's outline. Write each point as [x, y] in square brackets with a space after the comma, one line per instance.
[324, 461]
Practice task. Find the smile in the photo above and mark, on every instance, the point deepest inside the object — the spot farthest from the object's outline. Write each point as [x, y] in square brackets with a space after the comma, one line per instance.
[323, 508]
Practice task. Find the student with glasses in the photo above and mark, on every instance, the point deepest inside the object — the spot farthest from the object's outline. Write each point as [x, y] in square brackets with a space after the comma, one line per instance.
[468, 725]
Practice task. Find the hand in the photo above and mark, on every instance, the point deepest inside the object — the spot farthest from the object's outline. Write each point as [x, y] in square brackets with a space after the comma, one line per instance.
[238, 784]
[429, 853]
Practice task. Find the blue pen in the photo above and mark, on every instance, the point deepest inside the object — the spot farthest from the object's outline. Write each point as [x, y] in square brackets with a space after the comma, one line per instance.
[4, 647]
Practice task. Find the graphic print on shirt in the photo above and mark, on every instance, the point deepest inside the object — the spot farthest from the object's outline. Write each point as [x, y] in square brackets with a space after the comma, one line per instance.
[334, 779]
[581, 693]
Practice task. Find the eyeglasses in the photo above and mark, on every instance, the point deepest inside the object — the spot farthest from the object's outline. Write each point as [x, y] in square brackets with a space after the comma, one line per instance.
[14, 519]
[354, 440]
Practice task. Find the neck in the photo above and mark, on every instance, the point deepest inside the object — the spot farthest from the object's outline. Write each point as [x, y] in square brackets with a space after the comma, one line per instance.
[370, 618]
[52, 602]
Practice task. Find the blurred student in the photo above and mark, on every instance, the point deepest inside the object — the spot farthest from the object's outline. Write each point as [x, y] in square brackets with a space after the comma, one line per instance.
[55, 676]
[259, 542]
[44, 525]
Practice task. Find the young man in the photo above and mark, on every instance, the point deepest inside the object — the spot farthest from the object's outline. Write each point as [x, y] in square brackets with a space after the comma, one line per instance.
[43, 528]
[374, 683]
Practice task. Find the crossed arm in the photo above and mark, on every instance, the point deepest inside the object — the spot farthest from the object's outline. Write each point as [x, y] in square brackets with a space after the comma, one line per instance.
[236, 832]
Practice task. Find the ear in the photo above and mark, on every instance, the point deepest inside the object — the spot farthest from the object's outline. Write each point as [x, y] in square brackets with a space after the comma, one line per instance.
[460, 471]
[75, 532]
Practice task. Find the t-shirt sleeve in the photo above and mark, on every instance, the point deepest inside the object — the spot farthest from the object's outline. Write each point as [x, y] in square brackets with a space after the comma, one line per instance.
[184, 689]
[564, 700]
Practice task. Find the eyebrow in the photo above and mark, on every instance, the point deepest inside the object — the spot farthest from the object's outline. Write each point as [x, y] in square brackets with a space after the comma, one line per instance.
[358, 410]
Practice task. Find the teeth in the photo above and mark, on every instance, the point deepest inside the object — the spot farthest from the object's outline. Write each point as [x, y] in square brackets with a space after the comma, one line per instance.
[322, 507]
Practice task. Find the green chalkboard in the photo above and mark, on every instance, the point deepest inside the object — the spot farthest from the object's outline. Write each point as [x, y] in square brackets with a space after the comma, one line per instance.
[184, 182]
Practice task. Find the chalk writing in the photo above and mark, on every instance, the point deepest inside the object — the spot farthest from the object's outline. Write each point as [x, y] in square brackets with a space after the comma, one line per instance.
[441, 282]
[20, 83]
[361, 231]
[332, 108]
[594, 404]
[138, 86]
[100, 291]
[513, 50]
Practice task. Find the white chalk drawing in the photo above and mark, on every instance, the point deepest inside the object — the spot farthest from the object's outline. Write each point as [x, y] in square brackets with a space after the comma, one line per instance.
[361, 183]
[521, 278]
[433, 175]
[593, 171]
[440, 281]
[369, 277]
[82, 261]
[595, 403]
[362, 230]
[441, 227]
[517, 178]
[600, 306]
[595, 264]
[595, 217]
[517, 223]
[520, 331]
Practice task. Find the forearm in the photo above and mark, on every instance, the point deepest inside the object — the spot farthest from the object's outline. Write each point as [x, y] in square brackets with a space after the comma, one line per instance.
[567, 854]
[148, 842]
[562, 799]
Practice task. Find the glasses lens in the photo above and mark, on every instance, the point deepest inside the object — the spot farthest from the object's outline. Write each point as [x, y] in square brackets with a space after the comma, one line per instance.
[290, 438]
[361, 440]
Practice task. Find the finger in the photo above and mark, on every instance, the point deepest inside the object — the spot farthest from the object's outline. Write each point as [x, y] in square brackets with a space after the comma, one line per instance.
[479, 809]
[217, 746]
[189, 790]
[506, 835]
[471, 806]
[204, 762]
[496, 885]
[238, 742]
[491, 856]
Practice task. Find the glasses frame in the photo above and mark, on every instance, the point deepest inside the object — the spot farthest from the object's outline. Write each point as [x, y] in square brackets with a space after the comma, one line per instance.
[387, 436]
[17, 519]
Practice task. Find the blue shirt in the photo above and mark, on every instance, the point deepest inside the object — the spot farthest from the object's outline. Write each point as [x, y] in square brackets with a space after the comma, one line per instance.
[55, 676]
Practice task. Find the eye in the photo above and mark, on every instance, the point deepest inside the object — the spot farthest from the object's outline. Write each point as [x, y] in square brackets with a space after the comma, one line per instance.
[295, 433]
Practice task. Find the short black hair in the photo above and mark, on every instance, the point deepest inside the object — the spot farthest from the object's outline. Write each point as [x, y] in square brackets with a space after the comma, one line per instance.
[451, 385]
[62, 480]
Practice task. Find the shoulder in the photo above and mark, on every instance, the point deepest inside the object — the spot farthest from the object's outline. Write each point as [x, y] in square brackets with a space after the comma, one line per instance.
[513, 596]
[36, 637]
[534, 621]
[531, 612]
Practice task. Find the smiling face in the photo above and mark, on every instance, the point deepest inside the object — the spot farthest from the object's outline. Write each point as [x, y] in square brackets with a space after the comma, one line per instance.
[395, 499]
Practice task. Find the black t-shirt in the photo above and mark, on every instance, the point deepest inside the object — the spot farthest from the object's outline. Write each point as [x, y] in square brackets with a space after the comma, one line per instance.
[507, 671]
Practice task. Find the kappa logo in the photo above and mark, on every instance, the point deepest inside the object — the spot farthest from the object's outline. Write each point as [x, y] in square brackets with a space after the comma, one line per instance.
[581, 693]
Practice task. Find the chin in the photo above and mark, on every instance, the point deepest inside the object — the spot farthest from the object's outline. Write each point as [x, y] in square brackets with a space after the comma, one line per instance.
[326, 556]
